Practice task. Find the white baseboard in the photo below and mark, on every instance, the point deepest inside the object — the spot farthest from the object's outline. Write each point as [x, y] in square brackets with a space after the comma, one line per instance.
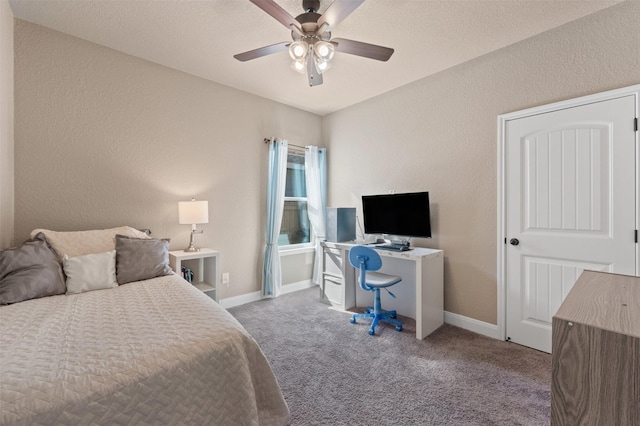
[480, 327]
[300, 285]
[230, 302]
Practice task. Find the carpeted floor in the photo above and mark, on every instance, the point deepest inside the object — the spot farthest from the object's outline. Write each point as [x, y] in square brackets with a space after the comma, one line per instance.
[333, 373]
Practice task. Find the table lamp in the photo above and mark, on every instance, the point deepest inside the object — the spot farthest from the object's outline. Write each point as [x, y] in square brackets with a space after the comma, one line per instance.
[191, 213]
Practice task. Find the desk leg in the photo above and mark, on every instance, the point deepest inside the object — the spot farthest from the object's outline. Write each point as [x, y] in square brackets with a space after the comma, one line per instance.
[429, 295]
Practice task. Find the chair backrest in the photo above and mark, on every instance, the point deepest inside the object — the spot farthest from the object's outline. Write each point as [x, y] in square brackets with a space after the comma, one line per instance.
[365, 259]
[363, 255]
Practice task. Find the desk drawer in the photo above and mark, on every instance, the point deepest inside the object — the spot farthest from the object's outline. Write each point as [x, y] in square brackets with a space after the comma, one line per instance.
[333, 289]
[333, 261]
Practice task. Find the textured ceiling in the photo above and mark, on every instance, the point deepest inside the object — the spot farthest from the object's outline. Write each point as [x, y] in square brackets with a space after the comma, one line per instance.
[201, 37]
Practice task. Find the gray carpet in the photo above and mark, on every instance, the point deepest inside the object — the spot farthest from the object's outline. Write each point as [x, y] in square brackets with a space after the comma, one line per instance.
[333, 373]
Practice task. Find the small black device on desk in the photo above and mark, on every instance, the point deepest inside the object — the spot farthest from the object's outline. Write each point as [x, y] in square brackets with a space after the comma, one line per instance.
[395, 246]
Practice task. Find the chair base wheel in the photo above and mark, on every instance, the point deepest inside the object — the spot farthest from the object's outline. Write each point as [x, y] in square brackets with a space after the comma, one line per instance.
[352, 320]
[398, 328]
[372, 332]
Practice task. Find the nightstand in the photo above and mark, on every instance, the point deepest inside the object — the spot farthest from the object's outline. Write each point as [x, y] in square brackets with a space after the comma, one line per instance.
[205, 265]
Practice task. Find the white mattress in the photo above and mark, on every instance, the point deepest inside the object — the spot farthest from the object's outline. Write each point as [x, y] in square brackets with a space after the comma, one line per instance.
[151, 352]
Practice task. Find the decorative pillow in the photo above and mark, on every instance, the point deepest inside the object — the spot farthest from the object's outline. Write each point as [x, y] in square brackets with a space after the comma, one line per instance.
[79, 243]
[90, 272]
[141, 258]
[29, 271]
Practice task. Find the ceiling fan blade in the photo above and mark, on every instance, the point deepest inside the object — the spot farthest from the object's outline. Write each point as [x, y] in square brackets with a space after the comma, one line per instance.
[262, 51]
[336, 13]
[273, 9]
[359, 48]
[315, 78]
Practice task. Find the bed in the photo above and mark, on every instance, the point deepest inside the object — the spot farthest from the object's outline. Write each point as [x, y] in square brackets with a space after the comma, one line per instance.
[153, 351]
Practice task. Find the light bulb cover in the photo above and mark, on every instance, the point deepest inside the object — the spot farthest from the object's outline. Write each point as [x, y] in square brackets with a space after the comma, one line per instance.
[322, 65]
[298, 50]
[299, 65]
[324, 50]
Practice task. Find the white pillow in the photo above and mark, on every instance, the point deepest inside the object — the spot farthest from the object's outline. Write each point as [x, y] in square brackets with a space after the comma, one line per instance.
[79, 243]
[90, 272]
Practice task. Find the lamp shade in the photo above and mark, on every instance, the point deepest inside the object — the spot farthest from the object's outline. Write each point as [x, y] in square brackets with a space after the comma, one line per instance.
[192, 212]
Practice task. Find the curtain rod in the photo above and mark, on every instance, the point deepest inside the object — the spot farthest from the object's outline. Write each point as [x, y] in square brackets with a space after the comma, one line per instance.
[267, 140]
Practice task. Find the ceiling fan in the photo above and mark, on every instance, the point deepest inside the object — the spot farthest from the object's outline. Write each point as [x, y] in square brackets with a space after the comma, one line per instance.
[312, 47]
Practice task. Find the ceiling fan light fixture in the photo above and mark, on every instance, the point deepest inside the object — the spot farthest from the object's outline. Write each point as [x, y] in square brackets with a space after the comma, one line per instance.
[298, 50]
[324, 50]
[299, 65]
[322, 65]
[312, 48]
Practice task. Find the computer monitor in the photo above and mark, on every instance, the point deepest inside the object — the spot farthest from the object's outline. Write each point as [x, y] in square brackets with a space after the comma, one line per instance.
[405, 214]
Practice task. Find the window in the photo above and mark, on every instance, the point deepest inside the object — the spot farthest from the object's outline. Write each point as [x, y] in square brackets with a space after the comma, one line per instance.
[295, 227]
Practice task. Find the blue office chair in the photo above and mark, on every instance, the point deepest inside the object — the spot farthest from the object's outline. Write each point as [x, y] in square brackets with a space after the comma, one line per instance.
[366, 259]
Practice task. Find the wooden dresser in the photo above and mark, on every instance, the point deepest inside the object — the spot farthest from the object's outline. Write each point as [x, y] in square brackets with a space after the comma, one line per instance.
[596, 353]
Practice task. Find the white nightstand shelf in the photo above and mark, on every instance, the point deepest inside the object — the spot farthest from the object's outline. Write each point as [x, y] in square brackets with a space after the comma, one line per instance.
[205, 265]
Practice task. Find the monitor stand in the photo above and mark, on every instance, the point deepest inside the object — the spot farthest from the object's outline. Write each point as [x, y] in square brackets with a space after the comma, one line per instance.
[394, 241]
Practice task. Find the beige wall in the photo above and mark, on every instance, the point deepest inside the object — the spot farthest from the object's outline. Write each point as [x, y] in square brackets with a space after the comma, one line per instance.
[104, 139]
[297, 267]
[439, 134]
[6, 125]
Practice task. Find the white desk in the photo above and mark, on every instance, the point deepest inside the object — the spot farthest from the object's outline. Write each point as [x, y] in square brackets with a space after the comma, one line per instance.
[420, 295]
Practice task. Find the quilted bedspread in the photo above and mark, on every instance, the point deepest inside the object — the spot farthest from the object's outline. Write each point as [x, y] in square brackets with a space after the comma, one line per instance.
[151, 352]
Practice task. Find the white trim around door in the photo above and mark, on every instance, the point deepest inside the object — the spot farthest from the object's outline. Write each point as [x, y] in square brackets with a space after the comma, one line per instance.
[501, 160]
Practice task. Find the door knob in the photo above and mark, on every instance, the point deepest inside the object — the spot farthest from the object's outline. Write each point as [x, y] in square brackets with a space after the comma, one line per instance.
[514, 241]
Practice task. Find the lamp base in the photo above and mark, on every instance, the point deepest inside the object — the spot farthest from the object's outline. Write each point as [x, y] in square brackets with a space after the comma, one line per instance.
[192, 246]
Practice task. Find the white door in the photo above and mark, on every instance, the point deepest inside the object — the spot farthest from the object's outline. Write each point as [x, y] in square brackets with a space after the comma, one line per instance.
[570, 206]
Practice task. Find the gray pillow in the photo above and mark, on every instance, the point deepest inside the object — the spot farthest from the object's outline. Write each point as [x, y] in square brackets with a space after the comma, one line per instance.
[141, 258]
[29, 271]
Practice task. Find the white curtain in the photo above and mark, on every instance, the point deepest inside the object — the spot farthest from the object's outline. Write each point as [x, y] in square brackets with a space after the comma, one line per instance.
[315, 169]
[276, 183]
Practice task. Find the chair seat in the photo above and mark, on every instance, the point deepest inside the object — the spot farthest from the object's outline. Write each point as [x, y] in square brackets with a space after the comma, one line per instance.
[380, 280]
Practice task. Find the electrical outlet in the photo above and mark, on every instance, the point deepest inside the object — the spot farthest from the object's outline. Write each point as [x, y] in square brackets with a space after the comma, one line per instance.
[225, 278]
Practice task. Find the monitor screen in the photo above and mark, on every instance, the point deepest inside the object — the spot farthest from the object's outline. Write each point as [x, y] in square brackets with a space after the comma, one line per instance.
[397, 214]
